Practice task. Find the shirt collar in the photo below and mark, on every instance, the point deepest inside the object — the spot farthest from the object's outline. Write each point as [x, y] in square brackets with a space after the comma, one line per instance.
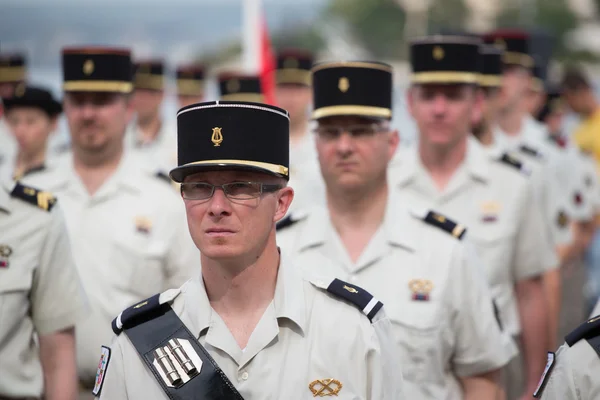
[6, 187]
[288, 300]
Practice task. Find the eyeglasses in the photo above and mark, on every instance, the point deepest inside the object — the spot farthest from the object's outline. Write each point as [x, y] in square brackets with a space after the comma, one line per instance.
[356, 131]
[233, 190]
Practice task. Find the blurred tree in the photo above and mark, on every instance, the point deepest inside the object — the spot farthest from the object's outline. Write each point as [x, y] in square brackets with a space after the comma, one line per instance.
[303, 37]
[447, 14]
[553, 15]
[377, 24]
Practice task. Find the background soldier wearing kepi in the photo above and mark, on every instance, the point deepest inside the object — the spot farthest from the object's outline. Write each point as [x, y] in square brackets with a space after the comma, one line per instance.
[12, 74]
[273, 333]
[294, 94]
[150, 133]
[31, 115]
[235, 86]
[438, 300]
[489, 193]
[40, 297]
[190, 85]
[127, 227]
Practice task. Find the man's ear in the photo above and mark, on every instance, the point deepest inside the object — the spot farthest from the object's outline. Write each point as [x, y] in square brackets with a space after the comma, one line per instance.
[284, 200]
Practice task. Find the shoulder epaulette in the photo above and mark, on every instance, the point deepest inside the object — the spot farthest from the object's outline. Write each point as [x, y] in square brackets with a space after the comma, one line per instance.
[587, 330]
[356, 295]
[531, 151]
[143, 311]
[508, 159]
[290, 220]
[163, 176]
[445, 224]
[39, 198]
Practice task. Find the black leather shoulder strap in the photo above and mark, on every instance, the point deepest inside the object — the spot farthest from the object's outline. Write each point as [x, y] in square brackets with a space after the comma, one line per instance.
[181, 365]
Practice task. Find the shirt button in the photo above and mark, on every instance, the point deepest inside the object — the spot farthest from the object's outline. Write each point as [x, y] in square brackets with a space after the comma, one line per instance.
[244, 376]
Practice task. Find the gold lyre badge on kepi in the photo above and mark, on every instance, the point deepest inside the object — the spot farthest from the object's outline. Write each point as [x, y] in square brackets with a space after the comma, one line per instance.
[143, 224]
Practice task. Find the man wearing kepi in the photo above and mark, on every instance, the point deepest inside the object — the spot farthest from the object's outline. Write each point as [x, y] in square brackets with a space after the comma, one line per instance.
[412, 258]
[253, 327]
[127, 227]
[489, 193]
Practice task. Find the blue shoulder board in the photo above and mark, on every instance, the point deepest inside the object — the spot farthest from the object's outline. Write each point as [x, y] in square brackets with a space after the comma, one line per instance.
[136, 314]
[444, 223]
[39, 198]
[364, 300]
[587, 330]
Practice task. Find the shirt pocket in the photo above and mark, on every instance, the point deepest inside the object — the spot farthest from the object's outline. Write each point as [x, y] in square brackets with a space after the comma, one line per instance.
[417, 331]
[139, 266]
[495, 247]
[15, 288]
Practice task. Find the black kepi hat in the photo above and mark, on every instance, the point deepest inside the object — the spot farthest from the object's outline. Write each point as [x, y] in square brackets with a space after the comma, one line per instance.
[445, 59]
[293, 67]
[149, 75]
[232, 135]
[491, 66]
[36, 97]
[190, 80]
[352, 88]
[12, 67]
[240, 87]
[97, 69]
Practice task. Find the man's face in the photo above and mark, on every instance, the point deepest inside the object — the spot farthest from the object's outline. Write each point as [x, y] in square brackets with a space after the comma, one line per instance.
[228, 229]
[354, 152]
[147, 103]
[577, 100]
[516, 81]
[31, 127]
[7, 89]
[184, 101]
[534, 101]
[96, 120]
[295, 99]
[444, 113]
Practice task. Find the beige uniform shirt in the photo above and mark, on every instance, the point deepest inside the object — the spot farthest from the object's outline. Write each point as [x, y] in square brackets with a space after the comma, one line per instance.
[305, 335]
[305, 175]
[495, 201]
[449, 331]
[160, 153]
[40, 293]
[129, 240]
[574, 375]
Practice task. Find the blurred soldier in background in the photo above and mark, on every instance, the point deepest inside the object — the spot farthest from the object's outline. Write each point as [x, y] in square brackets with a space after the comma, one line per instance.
[234, 86]
[294, 94]
[190, 84]
[127, 227]
[12, 75]
[489, 192]
[40, 297]
[32, 116]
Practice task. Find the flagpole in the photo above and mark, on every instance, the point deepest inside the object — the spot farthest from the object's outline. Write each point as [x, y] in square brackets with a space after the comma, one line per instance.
[251, 10]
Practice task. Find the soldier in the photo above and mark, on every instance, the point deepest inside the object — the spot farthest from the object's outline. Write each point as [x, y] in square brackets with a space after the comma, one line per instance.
[12, 74]
[150, 133]
[127, 227]
[40, 297]
[234, 86]
[32, 115]
[363, 234]
[190, 84]
[572, 372]
[548, 196]
[489, 192]
[252, 327]
[293, 92]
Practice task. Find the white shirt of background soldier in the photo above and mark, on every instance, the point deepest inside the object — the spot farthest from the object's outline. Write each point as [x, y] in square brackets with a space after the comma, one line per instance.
[446, 154]
[40, 297]
[126, 226]
[449, 338]
[238, 309]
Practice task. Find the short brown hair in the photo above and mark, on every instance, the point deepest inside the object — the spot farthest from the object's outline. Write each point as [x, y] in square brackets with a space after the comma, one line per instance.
[574, 78]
